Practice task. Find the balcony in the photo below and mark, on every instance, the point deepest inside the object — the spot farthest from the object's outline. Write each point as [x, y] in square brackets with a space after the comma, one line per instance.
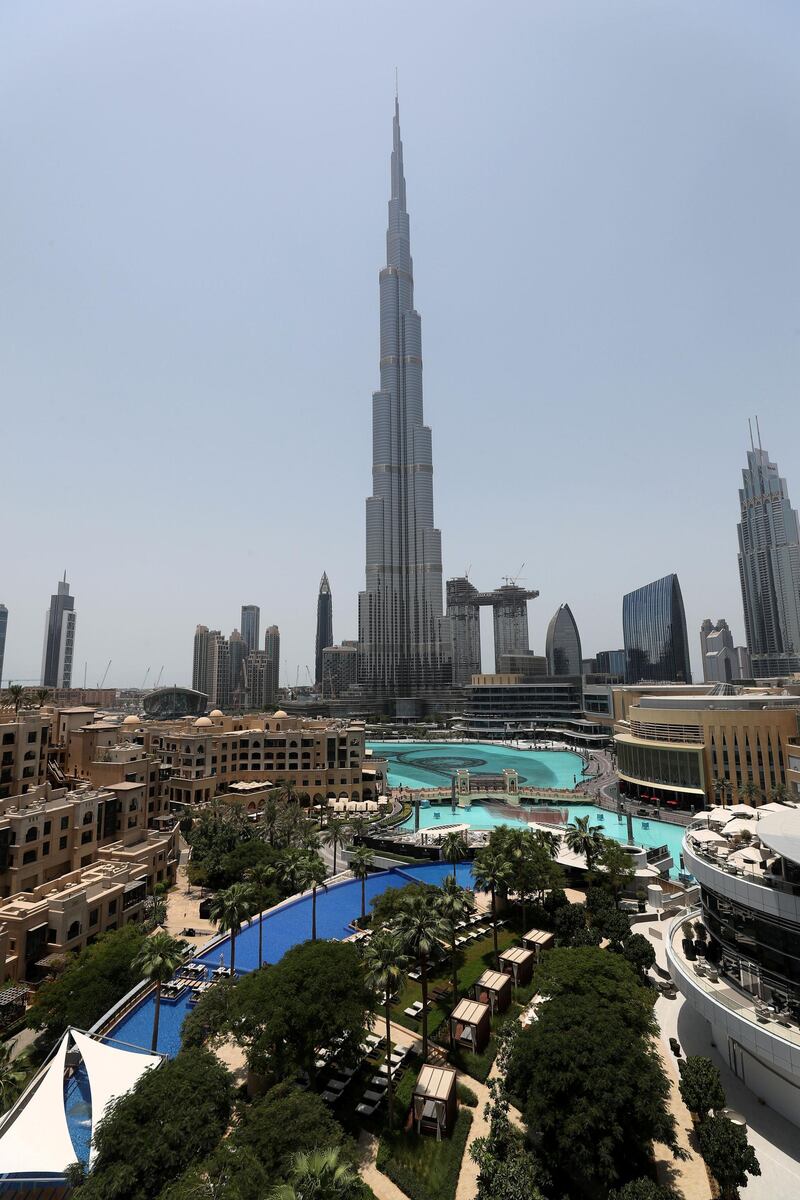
[750, 1020]
[748, 884]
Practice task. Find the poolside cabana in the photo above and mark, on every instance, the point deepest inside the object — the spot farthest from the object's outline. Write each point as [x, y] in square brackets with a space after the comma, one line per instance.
[434, 1100]
[538, 940]
[470, 1025]
[493, 988]
[518, 963]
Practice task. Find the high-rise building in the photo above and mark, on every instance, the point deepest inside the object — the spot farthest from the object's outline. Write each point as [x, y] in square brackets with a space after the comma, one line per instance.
[404, 644]
[219, 670]
[611, 662]
[237, 653]
[563, 645]
[59, 638]
[722, 661]
[3, 627]
[258, 678]
[339, 669]
[251, 619]
[463, 613]
[769, 568]
[324, 625]
[272, 647]
[200, 658]
[654, 633]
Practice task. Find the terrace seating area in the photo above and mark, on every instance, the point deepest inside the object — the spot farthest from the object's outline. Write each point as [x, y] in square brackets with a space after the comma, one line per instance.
[371, 1070]
[728, 837]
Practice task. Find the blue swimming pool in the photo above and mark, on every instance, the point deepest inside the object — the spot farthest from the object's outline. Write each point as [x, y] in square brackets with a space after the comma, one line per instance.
[283, 928]
[433, 764]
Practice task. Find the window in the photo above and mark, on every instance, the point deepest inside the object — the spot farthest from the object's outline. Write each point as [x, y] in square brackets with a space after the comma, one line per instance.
[88, 817]
[28, 857]
[62, 843]
[94, 916]
[65, 822]
[8, 739]
[32, 833]
[112, 907]
[31, 738]
[48, 825]
[74, 930]
[86, 837]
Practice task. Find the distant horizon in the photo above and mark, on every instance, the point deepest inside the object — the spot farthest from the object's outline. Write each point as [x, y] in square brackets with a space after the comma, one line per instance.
[606, 265]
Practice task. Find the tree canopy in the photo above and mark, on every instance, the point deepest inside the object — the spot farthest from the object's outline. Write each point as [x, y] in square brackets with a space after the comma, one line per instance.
[94, 980]
[700, 1084]
[729, 1156]
[173, 1117]
[387, 906]
[315, 994]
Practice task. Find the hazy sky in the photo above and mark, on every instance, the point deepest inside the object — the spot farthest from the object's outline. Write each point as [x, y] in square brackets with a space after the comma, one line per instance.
[604, 206]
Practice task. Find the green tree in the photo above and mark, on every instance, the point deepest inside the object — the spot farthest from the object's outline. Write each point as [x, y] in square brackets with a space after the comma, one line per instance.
[210, 1019]
[386, 964]
[643, 1189]
[640, 954]
[584, 838]
[335, 836]
[750, 793]
[455, 905]
[453, 848]
[548, 839]
[507, 1171]
[42, 695]
[171, 1118]
[158, 960]
[700, 1085]
[229, 910]
[616, 866]
[270, 818]
[421, 930]
[720, 788]
[315, 995]
[361, 862]
[11, 1077]
[94, 980]
[319, 1175]
[571, 929]
[312, 875]
[779, 794]
[286, 791]
[492, 872]
[287, 1118]
[728, 1155]
[15, 696]
[260, 878]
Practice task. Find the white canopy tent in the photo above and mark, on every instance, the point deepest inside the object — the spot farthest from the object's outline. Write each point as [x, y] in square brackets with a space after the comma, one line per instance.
[35, 1138]
[112, 1072]
[707, 837]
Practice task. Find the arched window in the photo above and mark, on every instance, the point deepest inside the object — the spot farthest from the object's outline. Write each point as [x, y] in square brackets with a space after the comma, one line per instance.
[88, 817]
[74, 930]
[32, 834]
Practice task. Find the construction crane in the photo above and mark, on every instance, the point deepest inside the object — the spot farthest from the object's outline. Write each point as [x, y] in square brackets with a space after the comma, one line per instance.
[158, 681]
[511, 580]
[144, 681]
[105, 674]
[308, 673]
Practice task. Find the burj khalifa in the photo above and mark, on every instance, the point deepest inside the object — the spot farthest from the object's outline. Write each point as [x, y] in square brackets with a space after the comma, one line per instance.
[404, 642]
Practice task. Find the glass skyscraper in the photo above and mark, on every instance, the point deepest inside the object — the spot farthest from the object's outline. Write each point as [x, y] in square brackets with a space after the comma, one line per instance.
[563, 644]
[59, 638]
[769, 568]
[3, 626]
[654, 633]
[324, 625]
[251, 620]
[404, 643]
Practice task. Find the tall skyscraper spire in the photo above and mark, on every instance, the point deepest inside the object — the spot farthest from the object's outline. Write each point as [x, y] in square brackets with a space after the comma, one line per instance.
[403, 636]
[769, 566]
[324, 625]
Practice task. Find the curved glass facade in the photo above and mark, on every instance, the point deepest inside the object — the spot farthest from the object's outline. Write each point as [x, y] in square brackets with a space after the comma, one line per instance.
[563, 645]
[654, 631]
[167, 704]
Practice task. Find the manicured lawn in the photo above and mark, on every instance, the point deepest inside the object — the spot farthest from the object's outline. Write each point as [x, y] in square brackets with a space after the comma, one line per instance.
[476, 958]
[422, 1167]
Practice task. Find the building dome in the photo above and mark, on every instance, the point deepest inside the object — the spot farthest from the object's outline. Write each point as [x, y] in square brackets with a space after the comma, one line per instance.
[280, 713]
[216, 713]
[202, 723]
[131, 720]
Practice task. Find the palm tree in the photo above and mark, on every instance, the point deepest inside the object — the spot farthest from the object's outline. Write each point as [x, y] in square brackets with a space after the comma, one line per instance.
[750, 791]
[260, 878]
[386, 964]
[453, 848]
[360, 866]
[158, 960]
[779, 794]
[421, 929]
[318, 1175]
[492, 871]
[42, 696]
[719, 787]
[548, 839]
[583, 838]
[455, 905]
[271, 818]
[10, 1077]
[313, 874]
[335, 835]
[15, 695]
[286, 791]
[290, 870]
[229, 909]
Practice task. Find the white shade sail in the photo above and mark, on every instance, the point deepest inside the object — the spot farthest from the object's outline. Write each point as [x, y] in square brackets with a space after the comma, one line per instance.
[35, 1140]
[707, 837]
[112, 1072]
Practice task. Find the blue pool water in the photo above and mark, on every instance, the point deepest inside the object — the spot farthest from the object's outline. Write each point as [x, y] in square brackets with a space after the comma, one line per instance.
[433, 764]
[283, 928]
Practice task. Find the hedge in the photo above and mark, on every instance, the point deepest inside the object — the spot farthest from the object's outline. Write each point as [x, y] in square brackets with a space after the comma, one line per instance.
[411, 1184]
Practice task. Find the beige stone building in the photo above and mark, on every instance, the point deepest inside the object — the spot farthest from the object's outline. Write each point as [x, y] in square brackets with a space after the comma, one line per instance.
[24, 740]
[690, 747]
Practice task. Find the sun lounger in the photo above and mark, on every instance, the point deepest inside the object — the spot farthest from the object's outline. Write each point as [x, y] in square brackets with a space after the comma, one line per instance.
[366, 1110]
[373, 1097]
[380, 1081]
[331, 1097]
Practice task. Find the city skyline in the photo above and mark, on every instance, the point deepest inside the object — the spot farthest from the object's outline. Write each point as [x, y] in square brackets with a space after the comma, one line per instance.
[555, 272]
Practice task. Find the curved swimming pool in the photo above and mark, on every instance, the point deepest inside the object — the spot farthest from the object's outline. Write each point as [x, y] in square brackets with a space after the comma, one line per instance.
[284, 927]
